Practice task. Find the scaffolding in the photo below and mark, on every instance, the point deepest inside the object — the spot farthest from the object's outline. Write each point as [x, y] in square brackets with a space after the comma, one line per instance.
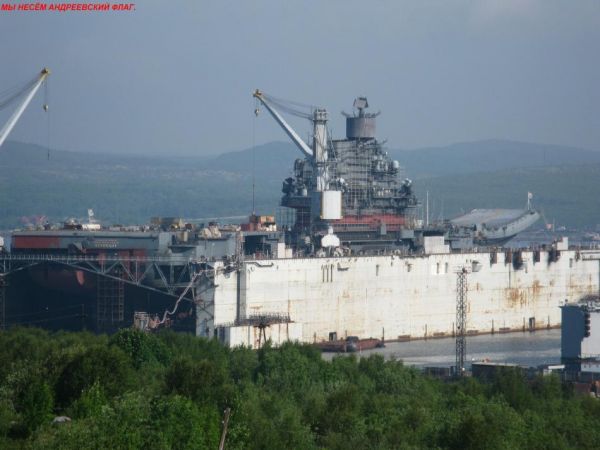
[110, 301]
[168, 275]
[355, 167]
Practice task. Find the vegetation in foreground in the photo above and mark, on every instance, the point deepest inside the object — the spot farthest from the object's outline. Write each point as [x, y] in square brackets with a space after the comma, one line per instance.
[134, 390]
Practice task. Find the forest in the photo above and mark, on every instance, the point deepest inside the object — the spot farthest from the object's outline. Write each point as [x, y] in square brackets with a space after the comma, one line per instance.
[169, 391]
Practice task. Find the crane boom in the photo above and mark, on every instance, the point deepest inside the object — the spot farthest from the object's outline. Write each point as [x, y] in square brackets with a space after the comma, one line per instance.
[304, 148]
[5, 131]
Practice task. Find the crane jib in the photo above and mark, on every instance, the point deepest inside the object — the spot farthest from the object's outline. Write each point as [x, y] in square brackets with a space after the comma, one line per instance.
[30, 91]
[296, 139]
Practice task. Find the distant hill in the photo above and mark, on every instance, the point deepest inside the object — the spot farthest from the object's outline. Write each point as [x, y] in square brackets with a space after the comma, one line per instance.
[490, 155]
[131, 189]
[568, 194]
[121, 189]
[275, 159]
[462, 158]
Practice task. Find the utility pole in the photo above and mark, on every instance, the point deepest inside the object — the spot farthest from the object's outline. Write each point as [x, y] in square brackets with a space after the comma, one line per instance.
[461, 321]
[225, 424]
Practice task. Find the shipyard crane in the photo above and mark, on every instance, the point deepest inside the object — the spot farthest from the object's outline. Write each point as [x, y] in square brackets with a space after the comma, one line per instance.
[29, 90]
[318, 153]
[267, 102]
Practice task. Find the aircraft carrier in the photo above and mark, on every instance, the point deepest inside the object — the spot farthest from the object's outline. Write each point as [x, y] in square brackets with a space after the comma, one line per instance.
[351, 258]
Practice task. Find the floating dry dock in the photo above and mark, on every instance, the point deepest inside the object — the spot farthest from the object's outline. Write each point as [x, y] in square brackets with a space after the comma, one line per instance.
[403, 295]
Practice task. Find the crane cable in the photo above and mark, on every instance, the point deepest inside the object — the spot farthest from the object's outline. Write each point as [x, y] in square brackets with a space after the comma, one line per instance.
[290, 107]
[46, 110]
[8, 96]
[256, 111]
[11, 94]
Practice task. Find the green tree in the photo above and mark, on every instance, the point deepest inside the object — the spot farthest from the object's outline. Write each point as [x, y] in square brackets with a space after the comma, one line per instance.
[142, 348]
[91, 402]
[37, 404]
[178, 423]
[203, 381]
[108, 366]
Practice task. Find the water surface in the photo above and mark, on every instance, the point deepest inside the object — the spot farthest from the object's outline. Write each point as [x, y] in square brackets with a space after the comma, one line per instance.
[527, 349]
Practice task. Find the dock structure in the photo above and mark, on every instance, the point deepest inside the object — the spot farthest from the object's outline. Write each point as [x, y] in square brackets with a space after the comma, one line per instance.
[580, 337]
[410, 296]
[173, 273]
[108, 275]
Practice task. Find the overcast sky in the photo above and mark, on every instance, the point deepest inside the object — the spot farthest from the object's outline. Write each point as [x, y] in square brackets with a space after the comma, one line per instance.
[175, 77]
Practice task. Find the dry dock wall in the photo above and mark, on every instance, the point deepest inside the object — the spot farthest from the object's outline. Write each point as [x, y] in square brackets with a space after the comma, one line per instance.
[401, 296]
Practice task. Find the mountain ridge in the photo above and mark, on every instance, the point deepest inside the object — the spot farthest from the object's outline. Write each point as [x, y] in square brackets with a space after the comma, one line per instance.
[133, 188]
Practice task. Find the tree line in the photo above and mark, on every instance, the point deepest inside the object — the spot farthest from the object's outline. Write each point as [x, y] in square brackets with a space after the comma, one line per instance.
[168, 391]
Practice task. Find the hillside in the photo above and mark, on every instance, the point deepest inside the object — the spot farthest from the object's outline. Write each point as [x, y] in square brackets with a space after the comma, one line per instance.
[489, 155]
[567, 194]
[121, 189]
[455, 159]
[131, 189]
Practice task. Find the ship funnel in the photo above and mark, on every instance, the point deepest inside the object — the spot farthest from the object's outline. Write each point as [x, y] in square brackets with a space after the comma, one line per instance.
[360, 124]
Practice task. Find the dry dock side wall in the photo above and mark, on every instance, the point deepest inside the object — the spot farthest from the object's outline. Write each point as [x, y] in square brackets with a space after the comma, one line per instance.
[398, 295]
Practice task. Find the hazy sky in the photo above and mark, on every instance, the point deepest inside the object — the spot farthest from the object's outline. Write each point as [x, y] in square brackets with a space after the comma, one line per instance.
[176, 76]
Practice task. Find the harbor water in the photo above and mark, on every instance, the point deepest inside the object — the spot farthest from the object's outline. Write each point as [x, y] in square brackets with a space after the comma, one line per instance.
[529, 349]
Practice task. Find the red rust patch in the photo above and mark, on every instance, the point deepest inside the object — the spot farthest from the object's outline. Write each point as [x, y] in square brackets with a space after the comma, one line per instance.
[36, 242]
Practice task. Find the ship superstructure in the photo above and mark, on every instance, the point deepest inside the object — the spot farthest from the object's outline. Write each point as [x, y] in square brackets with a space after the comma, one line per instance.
[352, 189]
[350, 186]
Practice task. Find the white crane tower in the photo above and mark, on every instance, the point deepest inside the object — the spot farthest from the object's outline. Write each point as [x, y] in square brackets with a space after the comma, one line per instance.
[29, 91]
[329, 200]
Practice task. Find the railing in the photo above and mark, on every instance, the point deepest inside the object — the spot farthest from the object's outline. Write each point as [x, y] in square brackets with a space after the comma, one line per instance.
[39, 257]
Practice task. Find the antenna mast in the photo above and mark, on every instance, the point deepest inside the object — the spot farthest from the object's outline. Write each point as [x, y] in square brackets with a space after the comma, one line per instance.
[461, 321]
